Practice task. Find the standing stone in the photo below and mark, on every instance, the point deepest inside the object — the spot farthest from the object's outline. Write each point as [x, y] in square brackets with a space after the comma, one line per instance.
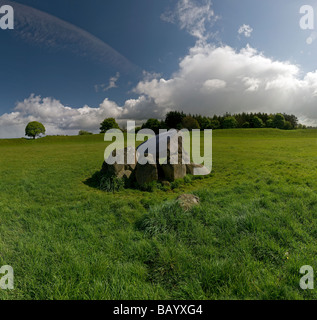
[202, 170]
[173, 171]
[119, 169]
[125, 174]
[146, 173]
[112, 169]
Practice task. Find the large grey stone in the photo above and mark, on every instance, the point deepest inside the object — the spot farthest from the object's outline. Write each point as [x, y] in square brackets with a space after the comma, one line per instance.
[196, 169]
[118, 168]
[187, 201]
[173, 171]
[146, 173]
[125, 174]
[170, 151]
[112, 169]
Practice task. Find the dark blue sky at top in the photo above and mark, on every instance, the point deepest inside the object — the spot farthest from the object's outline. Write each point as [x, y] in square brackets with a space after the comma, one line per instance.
[134, 29]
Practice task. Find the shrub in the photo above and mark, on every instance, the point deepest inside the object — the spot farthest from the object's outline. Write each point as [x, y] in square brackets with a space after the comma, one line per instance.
[149, 187]
[177, 183]
[111, 183]
[188, 179]
[84, 133]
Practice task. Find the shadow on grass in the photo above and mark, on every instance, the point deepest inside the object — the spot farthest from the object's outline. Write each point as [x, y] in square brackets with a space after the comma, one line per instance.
[94, 180]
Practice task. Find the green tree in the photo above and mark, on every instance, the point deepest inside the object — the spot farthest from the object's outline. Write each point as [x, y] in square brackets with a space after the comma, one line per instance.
[107, 124]
[34, 129]
[190, 123]
[152, 124]
[246, 125]
[84, 133]
[257, 122]
[174, 119]
[214, 124]
[292, 119]
[229, 123]
[204, 122]
[288, 125]
[301, 126]
[270, 123]
[279, 121]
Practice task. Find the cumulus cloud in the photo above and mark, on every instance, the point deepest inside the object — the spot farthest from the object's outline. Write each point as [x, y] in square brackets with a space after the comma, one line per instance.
[246, 30]
[214, 80]
[213, 84]
[210, 80]
[61, 119]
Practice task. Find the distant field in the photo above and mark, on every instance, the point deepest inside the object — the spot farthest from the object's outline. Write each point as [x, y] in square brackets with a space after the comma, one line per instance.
[256, 225]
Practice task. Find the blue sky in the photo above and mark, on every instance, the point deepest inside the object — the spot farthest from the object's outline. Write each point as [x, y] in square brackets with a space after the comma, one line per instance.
[71, 63]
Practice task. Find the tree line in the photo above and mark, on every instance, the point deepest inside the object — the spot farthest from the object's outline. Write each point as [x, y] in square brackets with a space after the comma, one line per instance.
[180, 120]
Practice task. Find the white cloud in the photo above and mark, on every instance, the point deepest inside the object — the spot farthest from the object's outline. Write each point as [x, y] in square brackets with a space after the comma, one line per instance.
[61, 119]
[210, 80]
[193, 16]
[246, 30]
[214, 80]
[213, 84]
[112, 84]
[251, 84]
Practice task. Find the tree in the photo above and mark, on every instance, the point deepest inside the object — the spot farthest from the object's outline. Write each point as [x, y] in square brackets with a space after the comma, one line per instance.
[190, 123]
[292, 119]
[246, 125]
[229, 123]
[301, 126]
[204, 122]
[34, 129]
[257, 122]
[270, 123]
[174, 119]
[84, 133]
[152, 124]
[107, 124]
[279, 121]
[214, 124]
[288, 126]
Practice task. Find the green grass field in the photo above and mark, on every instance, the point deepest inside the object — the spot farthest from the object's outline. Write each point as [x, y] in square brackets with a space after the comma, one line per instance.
[255, 227]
